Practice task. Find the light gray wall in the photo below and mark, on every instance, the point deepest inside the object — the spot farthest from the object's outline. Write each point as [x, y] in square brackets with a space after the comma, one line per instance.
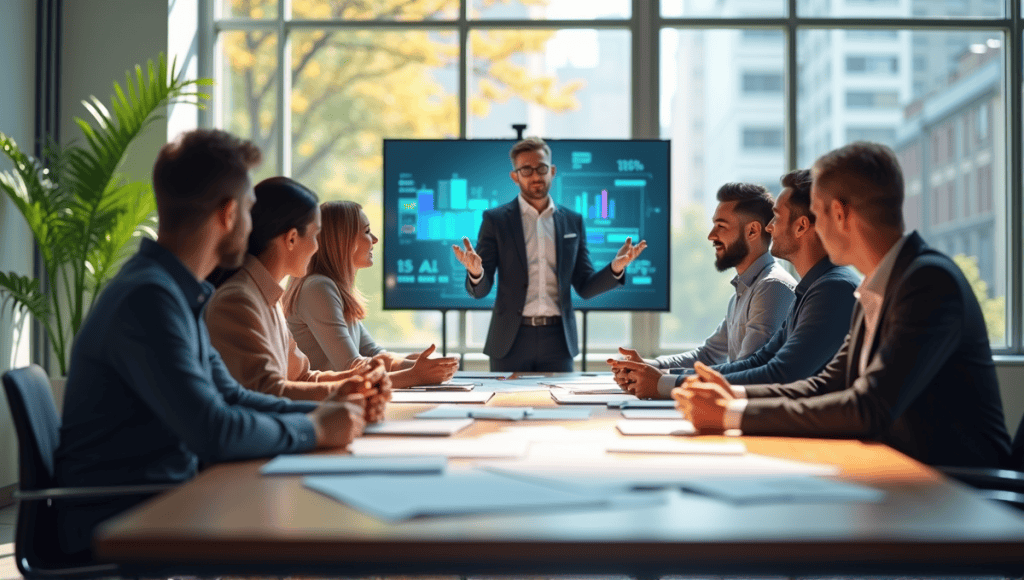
[102, 40]
[17, 119]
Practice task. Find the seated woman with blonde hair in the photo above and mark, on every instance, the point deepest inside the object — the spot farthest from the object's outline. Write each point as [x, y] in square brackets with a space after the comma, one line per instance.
[324, 309]
[244, 316]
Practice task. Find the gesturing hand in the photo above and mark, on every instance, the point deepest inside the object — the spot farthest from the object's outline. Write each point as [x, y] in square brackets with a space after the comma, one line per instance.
[626, 254]
[468, 257]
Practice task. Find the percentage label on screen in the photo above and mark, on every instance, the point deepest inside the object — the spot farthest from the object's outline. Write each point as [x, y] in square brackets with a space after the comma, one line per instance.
[630, 165]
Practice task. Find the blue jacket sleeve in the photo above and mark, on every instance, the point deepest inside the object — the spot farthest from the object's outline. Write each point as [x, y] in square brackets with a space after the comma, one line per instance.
[820, 327]
[160, 357]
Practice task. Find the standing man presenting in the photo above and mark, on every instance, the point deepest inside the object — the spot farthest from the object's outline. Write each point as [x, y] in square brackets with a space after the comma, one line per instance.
[539, 250]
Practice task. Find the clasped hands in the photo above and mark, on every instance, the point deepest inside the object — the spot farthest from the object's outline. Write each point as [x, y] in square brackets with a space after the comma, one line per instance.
[702, 398]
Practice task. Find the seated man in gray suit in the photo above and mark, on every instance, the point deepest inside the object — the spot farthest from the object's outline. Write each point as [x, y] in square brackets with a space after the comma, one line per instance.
[915, 371]
[817, 323]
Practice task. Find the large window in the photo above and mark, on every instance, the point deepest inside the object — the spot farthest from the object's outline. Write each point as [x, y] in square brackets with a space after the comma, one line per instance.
[743, 91]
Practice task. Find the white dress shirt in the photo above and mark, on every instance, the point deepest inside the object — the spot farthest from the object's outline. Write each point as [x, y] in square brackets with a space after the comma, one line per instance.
[539, 233]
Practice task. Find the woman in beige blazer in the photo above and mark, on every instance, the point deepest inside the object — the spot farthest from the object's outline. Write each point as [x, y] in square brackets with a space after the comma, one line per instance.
[244, 316]
[324, 309]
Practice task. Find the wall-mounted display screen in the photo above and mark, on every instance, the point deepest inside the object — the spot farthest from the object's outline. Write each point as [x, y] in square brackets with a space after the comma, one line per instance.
[436, 191]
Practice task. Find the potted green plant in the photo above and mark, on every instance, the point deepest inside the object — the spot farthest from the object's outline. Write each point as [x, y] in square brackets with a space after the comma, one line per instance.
[83, 211]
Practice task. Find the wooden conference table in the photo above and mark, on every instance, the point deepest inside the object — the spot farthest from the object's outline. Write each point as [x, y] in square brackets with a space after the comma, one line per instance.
[231, 519]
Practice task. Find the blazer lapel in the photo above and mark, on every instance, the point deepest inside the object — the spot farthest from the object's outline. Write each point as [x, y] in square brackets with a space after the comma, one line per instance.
[856, 346]
[911, 249]
[560, 229]
[515, 220]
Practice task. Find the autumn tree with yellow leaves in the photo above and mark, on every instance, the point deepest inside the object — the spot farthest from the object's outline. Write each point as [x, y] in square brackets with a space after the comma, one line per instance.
[352, 86]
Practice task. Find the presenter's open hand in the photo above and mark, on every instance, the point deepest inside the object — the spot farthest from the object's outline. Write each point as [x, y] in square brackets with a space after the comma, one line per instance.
[468, 257]
[338, 419]
[636, 378]
[433, 371]
[626, 254]
[703, 398]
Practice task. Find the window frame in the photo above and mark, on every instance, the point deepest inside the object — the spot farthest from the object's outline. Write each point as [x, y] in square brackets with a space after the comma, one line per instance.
[645, 26]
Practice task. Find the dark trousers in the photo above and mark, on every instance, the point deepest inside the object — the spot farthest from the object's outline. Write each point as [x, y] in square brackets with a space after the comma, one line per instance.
[536, 349]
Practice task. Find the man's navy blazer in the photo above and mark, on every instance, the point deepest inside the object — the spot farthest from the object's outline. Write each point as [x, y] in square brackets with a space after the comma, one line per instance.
[929, 388]
[502, 247]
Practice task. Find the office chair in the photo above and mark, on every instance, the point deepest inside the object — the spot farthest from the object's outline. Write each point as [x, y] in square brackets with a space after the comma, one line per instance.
[38, 427]
[1005, 485]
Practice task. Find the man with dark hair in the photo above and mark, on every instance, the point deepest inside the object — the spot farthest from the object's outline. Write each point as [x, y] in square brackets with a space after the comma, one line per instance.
[816, 325]
[764, 291]
[915, 371]
[147, 396]
[539, 251]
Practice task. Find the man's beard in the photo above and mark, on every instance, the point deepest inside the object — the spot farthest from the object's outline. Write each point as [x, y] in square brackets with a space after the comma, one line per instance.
[732, 255]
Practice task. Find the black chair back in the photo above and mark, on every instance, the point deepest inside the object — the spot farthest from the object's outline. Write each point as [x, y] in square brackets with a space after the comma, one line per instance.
[36, 422]
[1017, 449]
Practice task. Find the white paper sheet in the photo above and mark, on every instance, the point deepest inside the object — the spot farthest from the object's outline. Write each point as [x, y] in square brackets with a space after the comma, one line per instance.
[564, 397]
[582, 388]
[342, 464]
[449, 386]
[683, 446]
[786, 489]
[648, 404]
[467, 375]
[404, 396]
[388, 446]
[652, 414]
[399, 497]
[466, 411]
[655, 427]
[422, 427]
[615, 472]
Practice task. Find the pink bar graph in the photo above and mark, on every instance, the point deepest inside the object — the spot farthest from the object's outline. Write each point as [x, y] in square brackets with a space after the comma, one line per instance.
[604, 204]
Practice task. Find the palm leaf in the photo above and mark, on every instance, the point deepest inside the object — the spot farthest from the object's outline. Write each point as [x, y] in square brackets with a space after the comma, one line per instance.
[84, 213]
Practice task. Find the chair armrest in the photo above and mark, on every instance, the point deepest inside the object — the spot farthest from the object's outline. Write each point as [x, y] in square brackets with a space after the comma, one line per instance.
[983, 478]
[86, 492]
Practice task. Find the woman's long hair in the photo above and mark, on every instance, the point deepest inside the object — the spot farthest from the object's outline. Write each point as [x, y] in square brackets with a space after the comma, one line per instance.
[281, 204]
[340, 224]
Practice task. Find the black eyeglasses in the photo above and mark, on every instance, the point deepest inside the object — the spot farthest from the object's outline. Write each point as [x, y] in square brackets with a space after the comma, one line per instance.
[527, 171]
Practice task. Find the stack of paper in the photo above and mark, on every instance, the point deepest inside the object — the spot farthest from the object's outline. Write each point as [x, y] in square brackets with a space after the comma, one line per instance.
[651, 414]
[504, 413]
[591, 388]
[647, 404]
[347, 464]
[406, 396]
[655, 427]
[387, 446]
[449, 386]
[437, 427]
[683, 446]
[784, 490]
[566, 397]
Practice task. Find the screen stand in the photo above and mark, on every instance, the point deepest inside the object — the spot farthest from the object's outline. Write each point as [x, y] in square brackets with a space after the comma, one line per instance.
[584, 365]
[444, 332]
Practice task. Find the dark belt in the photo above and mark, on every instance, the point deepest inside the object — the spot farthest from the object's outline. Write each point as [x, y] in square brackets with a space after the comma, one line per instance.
[541, 320]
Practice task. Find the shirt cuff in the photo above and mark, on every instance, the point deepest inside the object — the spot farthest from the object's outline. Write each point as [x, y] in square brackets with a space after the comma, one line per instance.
[738, 392]
[619, 275]
[734, 414]
[475, 281]
[665, 385]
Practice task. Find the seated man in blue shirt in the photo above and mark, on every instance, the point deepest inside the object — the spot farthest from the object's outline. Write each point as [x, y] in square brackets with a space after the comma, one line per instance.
[817, 323]
[147, 396]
